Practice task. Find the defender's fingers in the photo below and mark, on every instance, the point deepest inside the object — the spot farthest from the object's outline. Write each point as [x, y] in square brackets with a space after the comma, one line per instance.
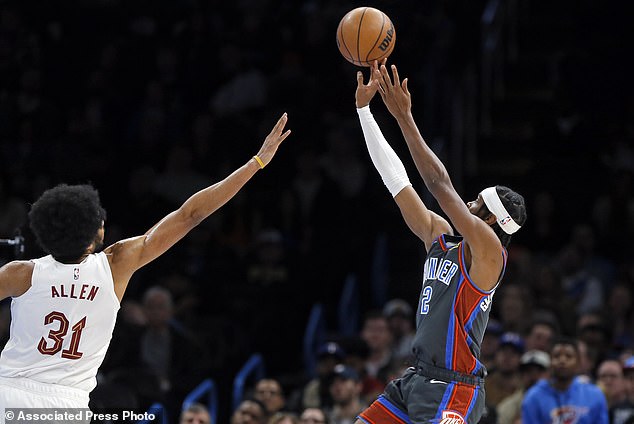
[359, 79]
[405, 85]
[280, 124]
[397, 81]
[286, 134]
[386, 77]
[382, 91]
[382, 83]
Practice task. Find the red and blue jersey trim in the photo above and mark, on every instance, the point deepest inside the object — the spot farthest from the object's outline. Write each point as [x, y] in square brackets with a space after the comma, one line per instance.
[382, 411]
[460, 398]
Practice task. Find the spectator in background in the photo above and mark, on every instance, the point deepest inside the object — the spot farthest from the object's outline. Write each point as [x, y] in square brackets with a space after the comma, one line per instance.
[546, 290]
[154, 354]
[513, 302]
[376, 332]
[357, 353]
[620, 311]
[582, 289]
[269, 278]
[316, 393]
[167, 349]
[628, 373]
[563, 397]
[534, 366]
[611, 381]
[196, 413]
[345, 389]
[624, 412]
[313, 416]
[596, 333]
[490, 344]
[283, 418]
[541, 333]
[583, 238]
[586, 361]
[505, 379]
[250, 411]
[269, 392]
[400, 318]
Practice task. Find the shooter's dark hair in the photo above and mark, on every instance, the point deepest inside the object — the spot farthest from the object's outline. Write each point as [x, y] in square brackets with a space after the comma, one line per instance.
[514, 204]
[65, 220]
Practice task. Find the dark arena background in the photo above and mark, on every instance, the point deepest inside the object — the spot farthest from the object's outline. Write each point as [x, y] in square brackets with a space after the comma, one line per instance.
[150, 100]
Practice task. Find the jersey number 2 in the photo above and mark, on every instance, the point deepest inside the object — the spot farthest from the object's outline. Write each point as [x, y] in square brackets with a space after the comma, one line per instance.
[57, 336]
[424, 301]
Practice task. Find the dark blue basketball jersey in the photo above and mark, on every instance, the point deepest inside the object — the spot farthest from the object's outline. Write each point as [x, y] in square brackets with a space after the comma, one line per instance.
[452, 311]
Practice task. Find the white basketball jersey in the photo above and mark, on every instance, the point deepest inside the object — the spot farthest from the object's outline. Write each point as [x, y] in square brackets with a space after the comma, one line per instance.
[62, 326]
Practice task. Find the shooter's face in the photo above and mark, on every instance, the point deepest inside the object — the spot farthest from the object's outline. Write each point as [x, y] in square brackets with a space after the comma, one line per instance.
[478, 208]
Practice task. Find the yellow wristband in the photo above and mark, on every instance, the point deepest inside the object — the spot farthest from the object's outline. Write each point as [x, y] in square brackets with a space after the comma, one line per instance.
[259, 161]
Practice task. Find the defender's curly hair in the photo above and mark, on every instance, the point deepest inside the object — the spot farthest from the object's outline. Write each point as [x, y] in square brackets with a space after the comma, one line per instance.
[66, 219]
[514, 204]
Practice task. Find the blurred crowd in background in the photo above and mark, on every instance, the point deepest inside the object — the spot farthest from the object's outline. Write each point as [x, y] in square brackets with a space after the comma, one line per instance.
[153, 100]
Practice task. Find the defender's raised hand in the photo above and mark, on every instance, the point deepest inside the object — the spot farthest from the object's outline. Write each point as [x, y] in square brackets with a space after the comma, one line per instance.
[395, 94]
[273, 141]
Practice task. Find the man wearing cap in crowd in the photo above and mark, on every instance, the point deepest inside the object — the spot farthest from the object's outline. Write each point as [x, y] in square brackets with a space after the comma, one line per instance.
[345, 390]
[504, 379]
[534, 366]
[563, 397]
[316, 393]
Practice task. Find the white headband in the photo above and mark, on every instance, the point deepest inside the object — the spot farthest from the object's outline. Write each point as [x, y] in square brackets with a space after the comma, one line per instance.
[493, 202]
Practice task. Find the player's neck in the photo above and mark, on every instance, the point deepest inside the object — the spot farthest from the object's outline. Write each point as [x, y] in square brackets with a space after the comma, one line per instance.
[67, 261]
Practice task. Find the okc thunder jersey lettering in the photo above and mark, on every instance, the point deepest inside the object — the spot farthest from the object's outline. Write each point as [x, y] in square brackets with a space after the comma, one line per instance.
[452, 311]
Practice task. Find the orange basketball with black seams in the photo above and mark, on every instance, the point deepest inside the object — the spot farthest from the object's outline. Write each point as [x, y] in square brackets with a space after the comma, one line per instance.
[365, 34]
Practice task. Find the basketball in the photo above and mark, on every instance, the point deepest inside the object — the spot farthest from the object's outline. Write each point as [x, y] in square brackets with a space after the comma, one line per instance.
[365, 34]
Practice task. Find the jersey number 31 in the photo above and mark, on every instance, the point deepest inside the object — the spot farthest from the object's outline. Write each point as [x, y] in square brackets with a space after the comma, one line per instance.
[57, 336]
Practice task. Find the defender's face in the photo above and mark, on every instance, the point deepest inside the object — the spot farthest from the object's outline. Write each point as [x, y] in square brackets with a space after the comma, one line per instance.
[101, 235]
[99, 238]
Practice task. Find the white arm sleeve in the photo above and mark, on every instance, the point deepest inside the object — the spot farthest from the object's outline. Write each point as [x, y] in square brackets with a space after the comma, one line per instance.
[383, 156]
